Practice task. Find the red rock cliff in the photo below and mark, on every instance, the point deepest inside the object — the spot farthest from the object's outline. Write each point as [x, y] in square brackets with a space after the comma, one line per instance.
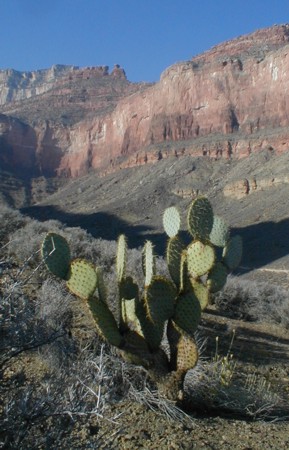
[229, 101]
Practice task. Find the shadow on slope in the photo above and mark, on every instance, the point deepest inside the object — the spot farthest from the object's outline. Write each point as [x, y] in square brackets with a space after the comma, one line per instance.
[99, 224]
[263, 242]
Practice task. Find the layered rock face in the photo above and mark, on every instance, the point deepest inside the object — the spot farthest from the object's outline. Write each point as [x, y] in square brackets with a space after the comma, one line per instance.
[227, 102]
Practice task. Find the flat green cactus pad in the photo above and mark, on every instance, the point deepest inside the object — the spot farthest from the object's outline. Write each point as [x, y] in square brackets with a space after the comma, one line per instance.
[82, 278]
[232, 253]
[220, 232]
[148, 262]
[175, 249]
[201, 292]
[153, 333]
[200, 258]
[121, 257]
[159, 299]
[171, 221]
[129, 316]
[128, 289]
[184, 275]
[200, 218]
[188, 312]
[101, 287]
[55, 252]
[187, 353]
[136, 350]
[105, 321]
[128, 293]
[217, 277]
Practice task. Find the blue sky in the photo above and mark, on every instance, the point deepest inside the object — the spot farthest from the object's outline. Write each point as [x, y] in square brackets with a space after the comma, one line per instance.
[143, 36]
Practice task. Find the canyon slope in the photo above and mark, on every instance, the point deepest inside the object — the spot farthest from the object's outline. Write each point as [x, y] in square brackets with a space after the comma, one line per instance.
[118, 153]
[227, 102]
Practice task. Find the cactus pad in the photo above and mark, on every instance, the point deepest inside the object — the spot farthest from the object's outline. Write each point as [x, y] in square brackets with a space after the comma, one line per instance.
[200, 218]
[201, 292]
[128, 288]
[148, 262]
[200, 258]
[171, 221]
[187, 353]
[101, 288]
[82, 278]
[128, 315]
[159, 299]
[188, 312]
[56, 254]
[105, 321]
[220, 232]
[217, 277]
[175, 248]
[121, 257]
[232, 253]
[153, 333]
[128, 293]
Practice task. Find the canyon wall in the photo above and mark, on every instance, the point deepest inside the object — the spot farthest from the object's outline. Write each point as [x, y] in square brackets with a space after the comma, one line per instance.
[227, 102]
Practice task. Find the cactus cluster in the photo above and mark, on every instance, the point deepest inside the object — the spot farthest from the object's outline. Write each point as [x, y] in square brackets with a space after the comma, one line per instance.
[166, 306]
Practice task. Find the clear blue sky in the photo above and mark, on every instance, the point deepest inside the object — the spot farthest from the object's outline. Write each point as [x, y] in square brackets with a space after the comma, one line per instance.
[143, 36]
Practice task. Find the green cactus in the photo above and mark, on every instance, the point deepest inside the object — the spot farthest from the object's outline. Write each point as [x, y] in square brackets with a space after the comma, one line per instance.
[105, 322]
[152, 333]
[175, 248]
[148, 262]
[101, 288]
[162, 306]
[121, 257]
[188, 312]
[201, 292]
[200, 218]
[220, 232]
[171, 221]
[82, 279]
[55, 252]
[128, 296]
[232, 253]
[159, 299]
[217, 277]
[200, 258]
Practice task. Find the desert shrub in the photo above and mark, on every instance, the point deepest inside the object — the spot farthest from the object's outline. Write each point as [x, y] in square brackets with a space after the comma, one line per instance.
[27, 324]
[254, 301]
[10, 220]
[25, 242]
[82, 387]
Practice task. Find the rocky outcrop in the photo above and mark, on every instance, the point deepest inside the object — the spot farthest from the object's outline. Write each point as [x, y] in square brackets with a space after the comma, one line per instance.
[241, 188]
[228, 102]
[16, 86]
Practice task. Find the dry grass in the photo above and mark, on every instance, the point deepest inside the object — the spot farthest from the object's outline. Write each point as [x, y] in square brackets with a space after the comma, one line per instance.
[254, 301]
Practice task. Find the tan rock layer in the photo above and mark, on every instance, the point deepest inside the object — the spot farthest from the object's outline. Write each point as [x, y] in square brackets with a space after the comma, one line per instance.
[241, 188]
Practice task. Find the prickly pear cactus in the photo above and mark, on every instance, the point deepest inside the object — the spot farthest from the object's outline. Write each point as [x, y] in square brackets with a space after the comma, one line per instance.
[82, 279]
[148, 262]
[121, 257]
[171, 221]
[55, 252]
[161, 306]
[200, 258]
[159, 299]
[200, 218]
